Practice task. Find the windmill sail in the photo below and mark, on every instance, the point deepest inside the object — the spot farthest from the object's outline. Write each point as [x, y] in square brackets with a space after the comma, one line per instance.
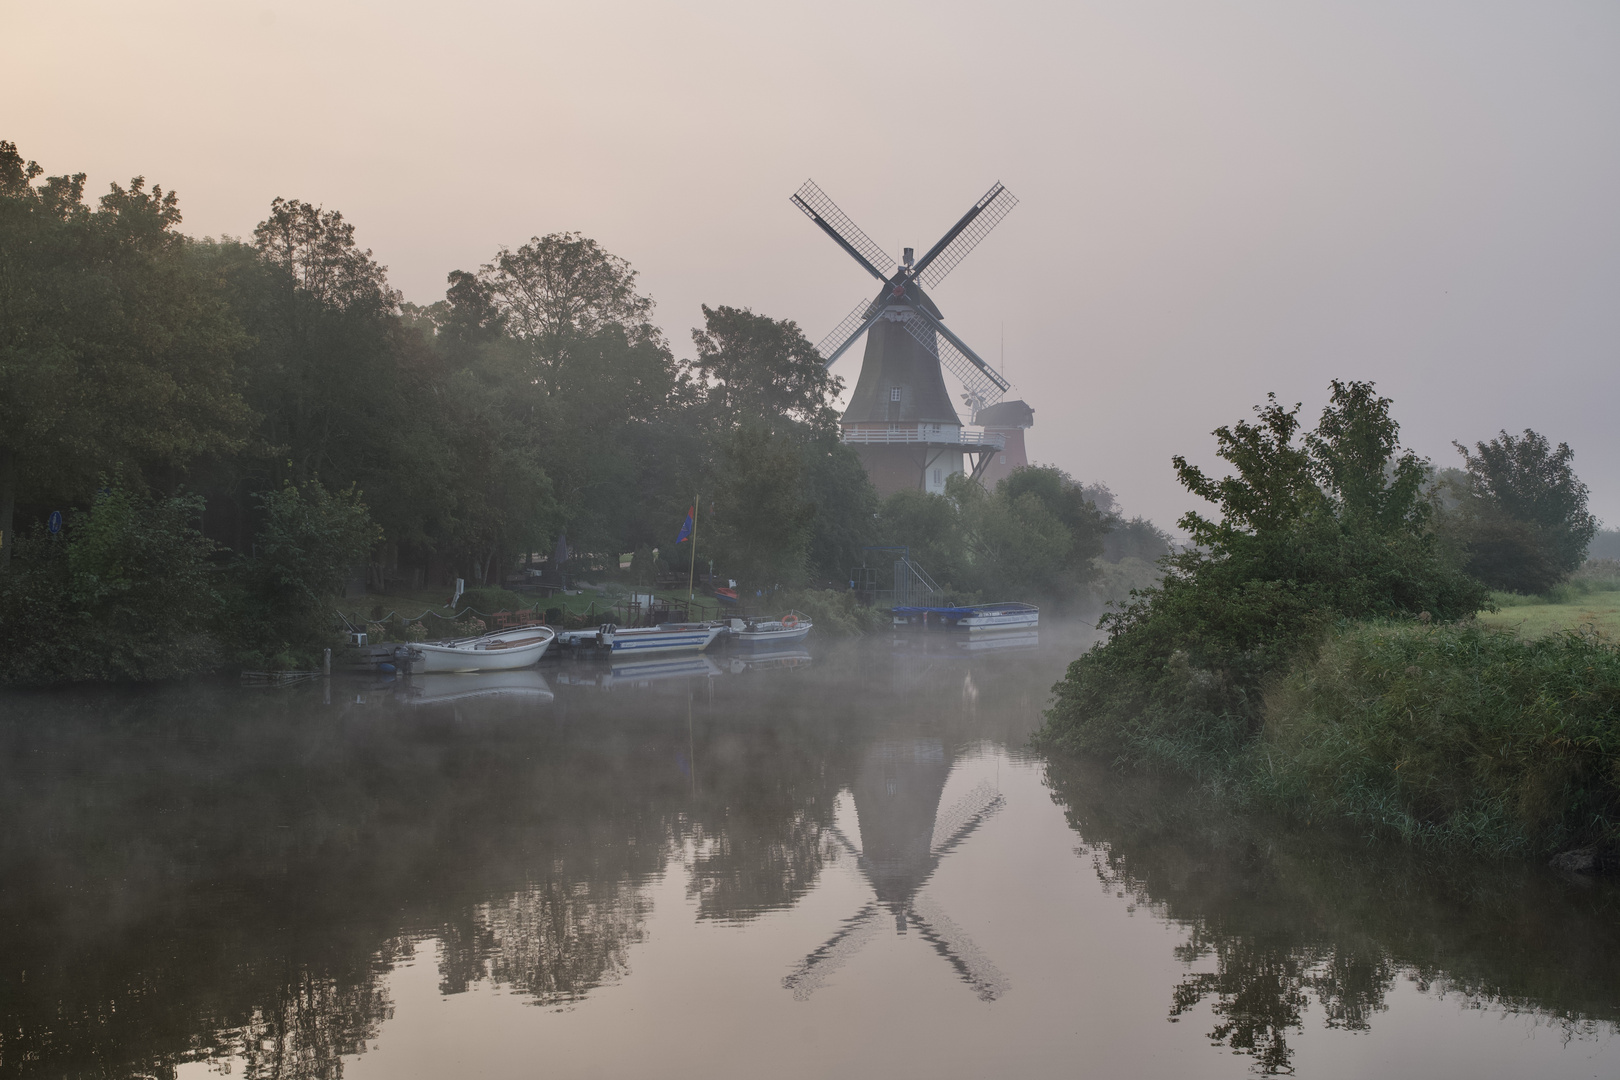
[824, 212]
[981, 382]
[844, 334]
[975, 225]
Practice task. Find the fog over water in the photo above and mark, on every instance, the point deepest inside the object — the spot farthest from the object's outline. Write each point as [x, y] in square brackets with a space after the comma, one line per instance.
[1216, 201]
[833, 861]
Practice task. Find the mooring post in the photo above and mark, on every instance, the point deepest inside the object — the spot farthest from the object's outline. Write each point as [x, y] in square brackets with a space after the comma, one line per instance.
[326, 664]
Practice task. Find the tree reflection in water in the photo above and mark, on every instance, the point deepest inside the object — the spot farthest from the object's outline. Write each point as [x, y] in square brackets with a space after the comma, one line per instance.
[553, 941]
[1283, 923]
[206, 873]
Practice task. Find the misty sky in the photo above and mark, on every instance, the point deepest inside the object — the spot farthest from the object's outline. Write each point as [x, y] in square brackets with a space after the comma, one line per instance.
[1217, 200]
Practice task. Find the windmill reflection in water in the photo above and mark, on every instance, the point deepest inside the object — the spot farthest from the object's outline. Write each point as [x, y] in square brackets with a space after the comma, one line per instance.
[903, 839]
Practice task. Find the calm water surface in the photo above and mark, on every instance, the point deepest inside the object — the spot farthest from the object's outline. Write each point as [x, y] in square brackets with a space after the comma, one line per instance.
[841, 862]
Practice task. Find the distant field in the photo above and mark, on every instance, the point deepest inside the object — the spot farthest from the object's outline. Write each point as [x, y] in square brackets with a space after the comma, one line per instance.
[1599, 610]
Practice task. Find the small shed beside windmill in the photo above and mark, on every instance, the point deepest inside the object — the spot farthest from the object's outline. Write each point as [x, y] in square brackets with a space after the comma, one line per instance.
[1009, 420]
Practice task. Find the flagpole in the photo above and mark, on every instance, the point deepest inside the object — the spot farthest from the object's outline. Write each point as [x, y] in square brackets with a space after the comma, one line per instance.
[691, 573]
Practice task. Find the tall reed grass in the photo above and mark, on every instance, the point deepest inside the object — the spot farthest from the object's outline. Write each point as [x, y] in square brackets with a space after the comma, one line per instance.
[1459, 735]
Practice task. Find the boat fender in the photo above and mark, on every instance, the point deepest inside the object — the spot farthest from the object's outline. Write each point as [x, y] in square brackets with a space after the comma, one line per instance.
[790, 621]
[386, 669]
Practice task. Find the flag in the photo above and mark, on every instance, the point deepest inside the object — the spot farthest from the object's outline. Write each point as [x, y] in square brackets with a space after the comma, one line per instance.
[686, 527]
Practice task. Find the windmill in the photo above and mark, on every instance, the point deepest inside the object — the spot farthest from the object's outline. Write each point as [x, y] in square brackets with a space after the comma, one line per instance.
[900, 417]
[903, 839]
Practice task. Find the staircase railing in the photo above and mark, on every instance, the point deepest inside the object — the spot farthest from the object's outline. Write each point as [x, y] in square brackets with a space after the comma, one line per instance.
[913, 587]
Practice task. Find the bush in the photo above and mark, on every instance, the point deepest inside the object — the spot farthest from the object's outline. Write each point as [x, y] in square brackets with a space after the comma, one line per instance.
[1451, 734]
[835, 613]
[126, 592]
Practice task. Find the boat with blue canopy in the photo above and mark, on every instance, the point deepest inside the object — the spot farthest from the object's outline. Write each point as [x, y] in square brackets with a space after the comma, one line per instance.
[974, 618]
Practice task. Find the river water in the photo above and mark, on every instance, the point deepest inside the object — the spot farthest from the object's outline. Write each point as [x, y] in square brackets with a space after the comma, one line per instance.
[843, 862]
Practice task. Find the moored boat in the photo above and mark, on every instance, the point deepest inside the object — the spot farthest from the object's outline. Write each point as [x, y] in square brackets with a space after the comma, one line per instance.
[975, 617]
[504, 650]
[638, 640]
[779, 632]
[665, 637]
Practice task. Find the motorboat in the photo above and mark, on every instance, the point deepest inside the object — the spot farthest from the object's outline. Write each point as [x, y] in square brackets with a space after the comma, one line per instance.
[665, 637]
[770, 633]
[640, 640]
[504, 650]
[975, 618]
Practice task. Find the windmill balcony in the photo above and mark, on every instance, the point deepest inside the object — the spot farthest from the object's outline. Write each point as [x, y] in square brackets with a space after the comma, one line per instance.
[923, 434]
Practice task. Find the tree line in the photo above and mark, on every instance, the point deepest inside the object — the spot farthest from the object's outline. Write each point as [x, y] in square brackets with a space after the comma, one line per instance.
[234, 427]
[1313, 650]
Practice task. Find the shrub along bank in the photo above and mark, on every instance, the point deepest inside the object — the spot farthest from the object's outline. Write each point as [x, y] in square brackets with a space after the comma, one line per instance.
[1461, 735]
[1298, 657]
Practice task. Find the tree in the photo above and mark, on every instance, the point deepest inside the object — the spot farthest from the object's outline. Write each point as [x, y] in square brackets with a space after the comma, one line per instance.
[1334, 525]
[310, 541]
[761, 384]
[1522, 516]
[762, 368]
[117, 352]
[762, 520]
[1067, 502]
[554, 288]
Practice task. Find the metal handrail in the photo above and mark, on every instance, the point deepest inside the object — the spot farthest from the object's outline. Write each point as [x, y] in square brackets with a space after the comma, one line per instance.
[914, 435]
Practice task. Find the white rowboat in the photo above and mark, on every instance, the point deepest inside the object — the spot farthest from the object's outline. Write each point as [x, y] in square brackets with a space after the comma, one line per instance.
[504, 650]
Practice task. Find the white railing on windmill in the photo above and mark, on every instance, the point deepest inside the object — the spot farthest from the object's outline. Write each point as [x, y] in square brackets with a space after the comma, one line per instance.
[901, 293]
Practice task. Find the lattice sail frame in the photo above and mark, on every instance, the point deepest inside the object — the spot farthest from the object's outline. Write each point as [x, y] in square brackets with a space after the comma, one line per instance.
[978, 387]
[997, 203]
[981, 384]
[841, 335]
[812, 198]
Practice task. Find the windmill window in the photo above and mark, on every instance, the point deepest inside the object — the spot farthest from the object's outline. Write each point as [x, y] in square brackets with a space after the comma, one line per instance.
[1004, 459]
[894, 393]
[937, 477]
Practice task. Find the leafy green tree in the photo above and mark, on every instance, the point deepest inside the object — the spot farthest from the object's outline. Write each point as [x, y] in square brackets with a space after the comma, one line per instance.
[598, 389]
[1057, 493]
[931, 526]
[763, 369]
[762, 522]
[1522, 516]
[1331, 526]
[555, 289]
[845, 507]
[117, 353]
[310, 541]
[761, 383]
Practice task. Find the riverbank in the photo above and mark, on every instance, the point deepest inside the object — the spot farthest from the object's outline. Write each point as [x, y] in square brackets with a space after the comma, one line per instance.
[1460, 736]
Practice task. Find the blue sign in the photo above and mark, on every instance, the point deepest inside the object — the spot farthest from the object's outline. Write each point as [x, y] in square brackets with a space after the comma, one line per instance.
[55, 522]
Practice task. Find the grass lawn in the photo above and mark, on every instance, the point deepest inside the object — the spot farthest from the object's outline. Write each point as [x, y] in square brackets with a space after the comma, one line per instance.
[1534, 618]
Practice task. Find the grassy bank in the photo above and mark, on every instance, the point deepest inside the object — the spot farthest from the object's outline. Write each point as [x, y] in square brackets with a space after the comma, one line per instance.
[1459, 736]
[834, 612]
[1589, 600]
